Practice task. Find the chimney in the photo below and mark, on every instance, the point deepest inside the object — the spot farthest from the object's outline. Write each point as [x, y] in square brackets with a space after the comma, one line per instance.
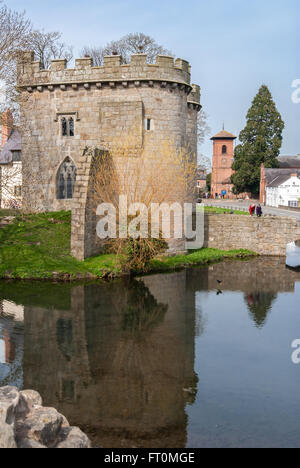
[7, 123]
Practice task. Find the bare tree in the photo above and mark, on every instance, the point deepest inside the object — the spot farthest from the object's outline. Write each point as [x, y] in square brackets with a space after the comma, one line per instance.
[14, 32]
[203, 128]
[202, 131]
[137, 43]
[47, 46]
[10, 185]
[96, 53]
[204, 162]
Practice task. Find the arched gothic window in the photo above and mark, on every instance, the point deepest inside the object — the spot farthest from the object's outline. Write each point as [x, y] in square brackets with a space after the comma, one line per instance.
[66, 179]
[224, 149]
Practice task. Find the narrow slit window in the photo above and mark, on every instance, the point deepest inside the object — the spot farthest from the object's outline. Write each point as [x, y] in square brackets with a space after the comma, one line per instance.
[64, 127]
[224, 149]
[71, 127]
[149, 125]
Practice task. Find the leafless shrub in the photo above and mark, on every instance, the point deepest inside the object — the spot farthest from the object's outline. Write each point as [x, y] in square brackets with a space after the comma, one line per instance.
[151, 177]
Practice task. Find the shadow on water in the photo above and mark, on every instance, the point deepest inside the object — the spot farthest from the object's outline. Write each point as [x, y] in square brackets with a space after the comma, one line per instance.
[118, 359]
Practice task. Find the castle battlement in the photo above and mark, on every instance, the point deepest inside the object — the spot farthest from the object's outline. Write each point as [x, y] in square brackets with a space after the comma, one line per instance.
[166, 71]
[194, 96]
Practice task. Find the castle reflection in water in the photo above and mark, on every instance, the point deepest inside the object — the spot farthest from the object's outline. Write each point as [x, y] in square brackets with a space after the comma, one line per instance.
[118, 359]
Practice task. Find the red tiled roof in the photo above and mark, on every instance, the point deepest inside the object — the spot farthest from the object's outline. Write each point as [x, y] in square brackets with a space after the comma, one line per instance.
[223, 135]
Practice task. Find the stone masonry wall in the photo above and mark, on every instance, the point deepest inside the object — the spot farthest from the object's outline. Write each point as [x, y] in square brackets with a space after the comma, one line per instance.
[105, 102]
[164, 70]
[266, 236]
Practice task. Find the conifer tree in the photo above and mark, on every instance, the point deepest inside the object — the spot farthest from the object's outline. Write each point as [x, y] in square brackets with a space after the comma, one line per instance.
[261, 141]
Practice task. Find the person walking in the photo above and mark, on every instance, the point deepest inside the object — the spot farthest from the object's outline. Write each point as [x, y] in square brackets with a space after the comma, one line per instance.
[259, 211]
[252, 210]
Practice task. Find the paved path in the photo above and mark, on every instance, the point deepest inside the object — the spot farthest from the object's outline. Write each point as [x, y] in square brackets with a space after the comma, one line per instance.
[244, 206]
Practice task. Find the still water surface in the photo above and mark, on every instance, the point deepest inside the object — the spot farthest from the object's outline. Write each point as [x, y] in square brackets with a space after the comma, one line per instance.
[293, 254]
[163, 361]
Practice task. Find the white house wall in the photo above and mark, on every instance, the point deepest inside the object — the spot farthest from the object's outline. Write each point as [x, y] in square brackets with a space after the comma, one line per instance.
[11, 177]
[285, 193]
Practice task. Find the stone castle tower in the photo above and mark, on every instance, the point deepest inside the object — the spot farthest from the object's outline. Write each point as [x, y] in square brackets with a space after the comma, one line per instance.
[223, 156]
[67, 112]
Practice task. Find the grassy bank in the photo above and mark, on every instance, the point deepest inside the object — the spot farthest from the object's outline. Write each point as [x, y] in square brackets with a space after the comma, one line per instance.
[7, 212]
[216, 209]
[38, 247]
[198, 257]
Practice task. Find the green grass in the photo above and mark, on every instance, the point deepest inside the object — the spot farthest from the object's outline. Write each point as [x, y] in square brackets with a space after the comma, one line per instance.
[36, 246]
[215, 209]
[5, 212]
[198, 257]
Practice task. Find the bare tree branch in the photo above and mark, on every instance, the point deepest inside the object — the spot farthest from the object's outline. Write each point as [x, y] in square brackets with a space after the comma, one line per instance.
[137, 43]
[204, 162]
[202, 127]
[47, 46]
[14, 32]
[11, 183]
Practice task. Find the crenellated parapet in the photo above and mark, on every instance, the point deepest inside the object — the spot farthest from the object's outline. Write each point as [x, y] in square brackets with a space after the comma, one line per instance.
[166, 72]
[194, 98]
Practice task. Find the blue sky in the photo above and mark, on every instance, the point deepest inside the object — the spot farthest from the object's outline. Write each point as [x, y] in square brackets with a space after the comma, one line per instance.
[234, 46]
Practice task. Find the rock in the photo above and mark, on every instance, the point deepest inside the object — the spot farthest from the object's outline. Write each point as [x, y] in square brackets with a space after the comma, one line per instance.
[29, 444]
[65, 422]
[80, 276]
[9, 399]
[24, 423]
[6, 221]
[7, 436]
[32, 397]
[73, 437]
[90, 276]
[41, 425]
[27, 401]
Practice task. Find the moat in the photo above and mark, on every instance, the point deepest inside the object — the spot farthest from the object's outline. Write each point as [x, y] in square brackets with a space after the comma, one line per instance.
[199, 358]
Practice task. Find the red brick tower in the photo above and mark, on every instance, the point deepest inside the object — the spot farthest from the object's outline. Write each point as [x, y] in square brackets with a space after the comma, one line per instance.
[223, 156]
